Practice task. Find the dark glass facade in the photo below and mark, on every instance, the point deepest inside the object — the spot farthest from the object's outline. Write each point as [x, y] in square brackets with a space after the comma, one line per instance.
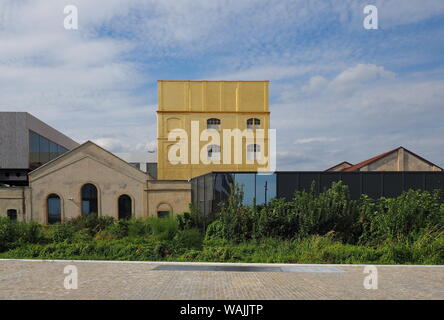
[135, 164]
[151, 168]
[42, 150]
[208, 191]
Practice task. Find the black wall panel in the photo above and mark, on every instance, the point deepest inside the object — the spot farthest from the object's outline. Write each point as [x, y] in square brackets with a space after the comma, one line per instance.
[392, 184]
[374, 184]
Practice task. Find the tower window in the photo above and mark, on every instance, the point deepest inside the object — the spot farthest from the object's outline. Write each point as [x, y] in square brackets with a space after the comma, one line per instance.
[213, 152]
[253, 150]
[213, 123]
[253, 123]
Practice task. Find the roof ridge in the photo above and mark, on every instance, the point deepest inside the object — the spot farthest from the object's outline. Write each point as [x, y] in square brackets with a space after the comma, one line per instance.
[361, 164]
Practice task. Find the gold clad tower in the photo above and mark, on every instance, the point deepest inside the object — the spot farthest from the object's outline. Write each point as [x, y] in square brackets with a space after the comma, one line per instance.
[216, 105]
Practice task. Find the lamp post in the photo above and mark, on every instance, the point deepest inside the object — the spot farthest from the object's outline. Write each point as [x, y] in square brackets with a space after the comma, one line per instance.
[265, 190]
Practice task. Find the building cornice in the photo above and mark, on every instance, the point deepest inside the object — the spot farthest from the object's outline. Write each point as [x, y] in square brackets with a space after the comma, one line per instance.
[214, 112]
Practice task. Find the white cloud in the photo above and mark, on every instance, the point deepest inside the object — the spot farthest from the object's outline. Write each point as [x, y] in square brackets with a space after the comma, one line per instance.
[329, 126]
[316, 83]
[77, 81]
[314, 140]
[273, 72]
[332, 97]
[349, 79]
[109, 143]
[399, 12]
[361, 74]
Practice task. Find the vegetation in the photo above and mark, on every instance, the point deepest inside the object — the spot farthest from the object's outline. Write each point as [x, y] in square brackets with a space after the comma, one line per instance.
[310, 228]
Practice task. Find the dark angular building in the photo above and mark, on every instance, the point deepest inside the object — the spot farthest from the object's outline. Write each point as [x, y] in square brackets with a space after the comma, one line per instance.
[27, 143]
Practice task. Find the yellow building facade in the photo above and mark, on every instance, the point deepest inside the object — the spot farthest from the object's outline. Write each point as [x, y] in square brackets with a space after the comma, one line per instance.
[187, 108]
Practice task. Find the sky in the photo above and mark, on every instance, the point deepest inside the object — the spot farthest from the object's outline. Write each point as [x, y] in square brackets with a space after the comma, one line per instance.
[338, 91]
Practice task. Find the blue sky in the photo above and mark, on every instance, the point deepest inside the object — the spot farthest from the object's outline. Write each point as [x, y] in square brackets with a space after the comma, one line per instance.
[338, 91]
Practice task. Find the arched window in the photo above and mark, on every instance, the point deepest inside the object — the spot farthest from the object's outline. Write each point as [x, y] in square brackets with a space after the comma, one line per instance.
[253, 123]
[163, 214]
[213, 123]
[213, 152]
[54, 208]
[12, 214]
[164, 210]
[89, 199]
[125, 207]
[253, 151]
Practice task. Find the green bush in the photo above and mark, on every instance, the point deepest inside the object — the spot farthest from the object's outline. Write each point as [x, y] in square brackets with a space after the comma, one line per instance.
[236, 220]
[91, 222]
[104, 235]
[83, 235]
[314, 249]
[429, 248]
[215, 231]
[186, 221]
[405, 218]
[15, 233]
[163, 228]
[139, 228]
[188, 239]
[62, 233]
[308, 213]
[331, 213]
[326, 227]
[118, 230]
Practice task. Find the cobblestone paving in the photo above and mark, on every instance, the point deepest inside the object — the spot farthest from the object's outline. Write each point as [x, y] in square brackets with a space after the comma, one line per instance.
[113, 280]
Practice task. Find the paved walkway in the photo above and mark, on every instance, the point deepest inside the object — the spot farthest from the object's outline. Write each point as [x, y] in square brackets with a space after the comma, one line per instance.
[32, 279]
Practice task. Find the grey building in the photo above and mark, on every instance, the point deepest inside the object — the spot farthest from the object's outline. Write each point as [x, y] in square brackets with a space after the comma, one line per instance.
[27, 143]
[145, 161]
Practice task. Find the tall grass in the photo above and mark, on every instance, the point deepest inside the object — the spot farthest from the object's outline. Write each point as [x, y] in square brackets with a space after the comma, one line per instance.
[313, 249]
[14, 234]
[332, 213]
[310, 228]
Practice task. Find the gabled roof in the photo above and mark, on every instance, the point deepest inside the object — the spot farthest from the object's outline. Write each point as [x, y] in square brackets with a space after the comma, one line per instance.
[84, 145]
[340, 163]
[364, 163]
[369, 161]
